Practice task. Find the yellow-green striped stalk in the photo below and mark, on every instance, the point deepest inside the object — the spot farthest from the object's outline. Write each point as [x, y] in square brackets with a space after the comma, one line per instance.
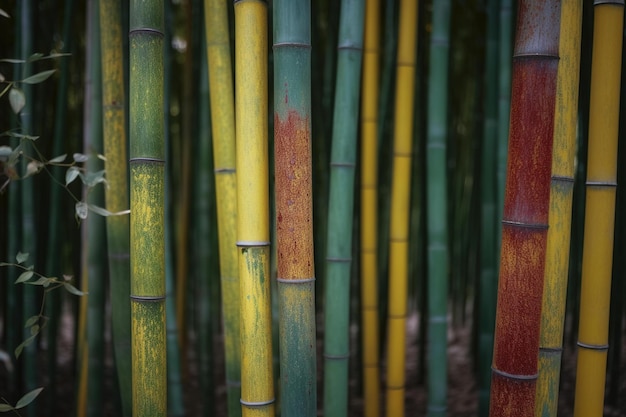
[223, 127]
[340, 208]
[116, 192]
[147, 205]
[560, 214]
[257, 380]
[400, 208]
[593, 331]
[294, 207]
[369, 209]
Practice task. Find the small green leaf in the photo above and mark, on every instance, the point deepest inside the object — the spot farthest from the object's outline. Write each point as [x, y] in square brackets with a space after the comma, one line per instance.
[71, 174]
[28, 398]
[41, 281]
[3, 13]
[82, 210]
[34, 329]
[31, 320]
[93, 178]
[5, 152]
[17, 100]
[39, 77]
[58, 159]
[79, 157]
[20, 348]
[35, 57]
[72, 289]
[6, 408]
[21, 257]
[20, 136]
[12, 61]
[24, 276]
[32, 168]
[104, 212]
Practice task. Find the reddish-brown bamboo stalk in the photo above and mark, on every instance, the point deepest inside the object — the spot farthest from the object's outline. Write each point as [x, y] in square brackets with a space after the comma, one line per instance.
[526, 203]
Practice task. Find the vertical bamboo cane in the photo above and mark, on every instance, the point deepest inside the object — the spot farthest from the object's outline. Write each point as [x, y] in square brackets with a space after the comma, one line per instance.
[223, 127]
[561, 192]
[525, 215]
[116, 193]
[294, 207]
[340, 209]
[599, 208]
[147, 204]
[436, 210]
[257, 381]
[400, 208]
[369, 210]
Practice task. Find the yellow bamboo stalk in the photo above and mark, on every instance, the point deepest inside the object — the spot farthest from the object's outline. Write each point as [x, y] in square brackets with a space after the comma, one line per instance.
[560, 215]
[599, 208]
[223, 126]
[400, 207]
[257, 381]
[369, 209]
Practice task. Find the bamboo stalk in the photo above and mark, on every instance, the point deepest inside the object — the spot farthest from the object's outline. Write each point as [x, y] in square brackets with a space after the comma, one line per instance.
[223, 128]
[340, 208]
[369, 210]
[147, 165]
[294, 207]
[116, 193]
[526, 204]
[257, 381]
[400, 208]
[599, 208]
[436, 210]
[561, 192]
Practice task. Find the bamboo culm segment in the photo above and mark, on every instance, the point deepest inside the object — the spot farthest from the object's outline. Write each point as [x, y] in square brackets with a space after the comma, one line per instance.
[526, 204]
[561, 192]
[257, 381]
[369, 210]
[400, 208]
[436, 211]
[294, 207]
[223, 129]
[116, 193]
[340, 208]
[593, 337]
[147, 205]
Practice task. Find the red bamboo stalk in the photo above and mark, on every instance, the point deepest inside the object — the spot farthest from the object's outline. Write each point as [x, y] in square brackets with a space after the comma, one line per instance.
[526, 205]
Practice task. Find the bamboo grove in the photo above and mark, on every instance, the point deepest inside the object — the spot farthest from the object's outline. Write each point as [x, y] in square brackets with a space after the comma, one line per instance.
[302, 208]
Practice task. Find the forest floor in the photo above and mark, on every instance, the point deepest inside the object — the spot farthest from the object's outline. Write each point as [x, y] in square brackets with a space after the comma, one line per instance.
[462, 394]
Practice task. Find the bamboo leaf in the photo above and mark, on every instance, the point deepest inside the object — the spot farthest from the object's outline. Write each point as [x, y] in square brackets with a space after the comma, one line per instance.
[82, 210]
[104, 212]
[73, 290]
[3, 13]
[20, 348]
[31, 320]
[17, 100]
[35, 57]
[39, 77]
[5, 408]
[32, 168]
[79, 157]
[24, 276]
[5, 152]
[34, 329]
[21, 257]
[93, 178]
[28, 398]
[58, 159]
[71, 174]
[12, 61]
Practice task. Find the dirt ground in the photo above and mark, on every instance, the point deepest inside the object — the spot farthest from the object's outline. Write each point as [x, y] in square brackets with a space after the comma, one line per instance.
[462, 395]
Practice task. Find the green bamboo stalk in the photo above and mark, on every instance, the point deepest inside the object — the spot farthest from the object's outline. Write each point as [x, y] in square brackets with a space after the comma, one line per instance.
[257, 381]
[436, 211]
[294, 207]
[340, 208]
[53, 264]
[205, 257]
[222, 123]
[526, 208]
[561, 192]
[94, 228]
[147, 164]
[487, 286]
[29, 240]
[116, 193]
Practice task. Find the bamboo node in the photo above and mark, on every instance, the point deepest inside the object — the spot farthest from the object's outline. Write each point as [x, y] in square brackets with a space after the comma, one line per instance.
[336, 357]
[295, 280]
[513, 223]
[592, 347]
[146, 30]
[292, 44]
[601, 184]
[147, 298]
[256, 403]
[514, 376]
[331, 259]
[252, 243]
